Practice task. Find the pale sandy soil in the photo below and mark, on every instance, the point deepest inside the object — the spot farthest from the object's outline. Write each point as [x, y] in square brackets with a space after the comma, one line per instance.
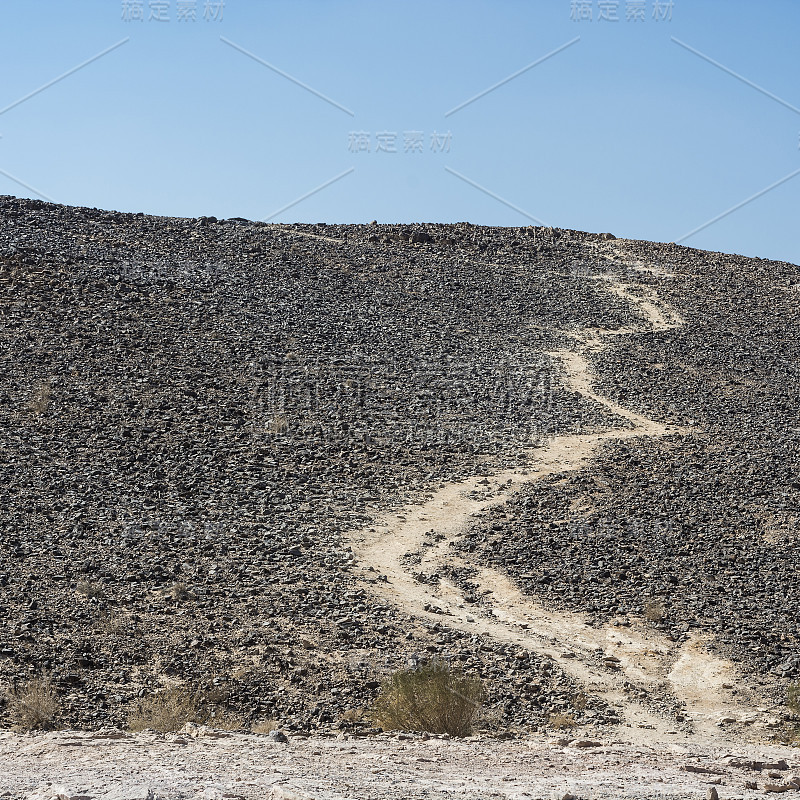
[118, 766]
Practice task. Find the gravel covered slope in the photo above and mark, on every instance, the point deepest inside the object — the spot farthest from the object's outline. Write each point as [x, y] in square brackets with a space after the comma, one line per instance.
[698, 529]
[196, 412]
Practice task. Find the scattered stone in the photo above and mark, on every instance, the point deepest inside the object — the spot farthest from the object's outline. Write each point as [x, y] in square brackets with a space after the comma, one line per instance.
[703, 770]
[279, 792]
[199, 413]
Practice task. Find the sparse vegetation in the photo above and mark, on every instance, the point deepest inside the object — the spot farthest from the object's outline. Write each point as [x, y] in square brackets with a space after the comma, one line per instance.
[264, 726]
[431, 698]
[170, 709]
[655, 610]
[34, 706]
[178, 592]
[40, 401]
[793, 699]
[561, 720]
[89, 589]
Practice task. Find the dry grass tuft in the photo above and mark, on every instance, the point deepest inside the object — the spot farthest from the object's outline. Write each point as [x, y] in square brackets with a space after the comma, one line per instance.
[655, 611]
[431, 698]
[264, 726]
[89, 589]
[170, 709]
[40, 401]
[561, 720]
[34, 706]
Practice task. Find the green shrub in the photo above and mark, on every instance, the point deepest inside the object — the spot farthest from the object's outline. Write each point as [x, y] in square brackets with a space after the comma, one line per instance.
[431, 698]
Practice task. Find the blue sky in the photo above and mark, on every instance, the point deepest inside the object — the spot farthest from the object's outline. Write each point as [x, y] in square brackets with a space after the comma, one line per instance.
[623, 129]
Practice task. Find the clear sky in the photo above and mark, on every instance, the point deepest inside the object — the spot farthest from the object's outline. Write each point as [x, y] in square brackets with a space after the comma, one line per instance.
[650, 125]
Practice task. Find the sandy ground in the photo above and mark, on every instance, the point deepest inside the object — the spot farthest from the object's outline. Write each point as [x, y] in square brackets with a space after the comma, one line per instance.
[216, 765]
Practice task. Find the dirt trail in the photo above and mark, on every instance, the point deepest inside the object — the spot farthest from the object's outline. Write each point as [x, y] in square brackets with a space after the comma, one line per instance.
[603, 659]
[308, 234]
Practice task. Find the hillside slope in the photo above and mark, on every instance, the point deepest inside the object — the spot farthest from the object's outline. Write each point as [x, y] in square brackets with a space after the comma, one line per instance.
[200, 416]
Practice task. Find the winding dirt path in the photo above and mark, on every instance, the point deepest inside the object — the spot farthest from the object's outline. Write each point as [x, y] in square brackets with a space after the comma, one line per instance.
[620, 662]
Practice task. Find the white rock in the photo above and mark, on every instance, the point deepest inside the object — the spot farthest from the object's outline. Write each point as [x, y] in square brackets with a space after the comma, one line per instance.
[50, 792]
[279, 792]
[139, 792]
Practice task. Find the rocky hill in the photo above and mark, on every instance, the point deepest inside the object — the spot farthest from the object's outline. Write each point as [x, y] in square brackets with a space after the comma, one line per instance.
[204, 422]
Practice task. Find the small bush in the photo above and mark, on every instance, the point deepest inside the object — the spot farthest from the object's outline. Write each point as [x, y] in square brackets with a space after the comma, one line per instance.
[264, 726]
[793, 699]
[431, 698]
[561, 720]
[170, 709]
[40, 401]
[89, 589]
[655, 611]
[34, 706]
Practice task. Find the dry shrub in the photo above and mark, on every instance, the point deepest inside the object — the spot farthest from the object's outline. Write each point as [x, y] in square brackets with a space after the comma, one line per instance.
[431, 698]
[264, 726]
[278, 424]
[89, 589]
[170, 709]
[33, 707]
[40, 401]
[793, 699]
[579, 701]
[561, 720]
[655, 610]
